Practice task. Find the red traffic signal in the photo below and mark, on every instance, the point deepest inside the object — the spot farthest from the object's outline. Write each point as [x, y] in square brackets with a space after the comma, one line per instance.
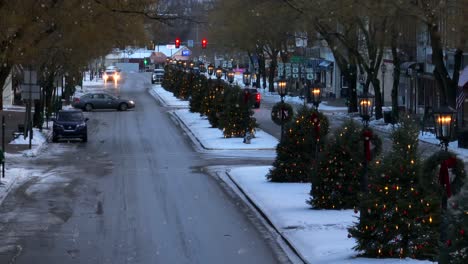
[204, 42]
[177, 43]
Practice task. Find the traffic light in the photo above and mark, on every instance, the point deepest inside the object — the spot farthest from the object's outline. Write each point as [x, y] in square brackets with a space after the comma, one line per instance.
[177, 43]
[145, 61]
[204, 42]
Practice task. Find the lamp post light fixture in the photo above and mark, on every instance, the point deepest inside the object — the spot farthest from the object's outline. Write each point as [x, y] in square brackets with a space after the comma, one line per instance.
[444, 121]
[219, 72]
[383, 68]
[191, 65]
[246, 78]
[202, 67]
[366, 107]
[210, 69]
[316, 95]
[230, 76]
[444, 118]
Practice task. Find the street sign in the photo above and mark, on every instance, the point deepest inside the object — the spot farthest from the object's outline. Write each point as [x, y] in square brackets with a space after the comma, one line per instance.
[186, 53]
[224, 64]
[170, 46]
[29, 77]
[32, 92]
[26, 88]
[229, 64]
[190, 43]
[295, 75]
[34, 96]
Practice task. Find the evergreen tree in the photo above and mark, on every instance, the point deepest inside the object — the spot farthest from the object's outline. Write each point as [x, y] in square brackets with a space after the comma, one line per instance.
[200, 86]
[399, 219]
[296, 152]
[237, 116]
[458, 228]
[215, 102]
[336, 185]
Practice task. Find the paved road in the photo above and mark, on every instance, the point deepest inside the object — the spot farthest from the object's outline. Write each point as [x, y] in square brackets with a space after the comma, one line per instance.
[135, 193]
[263, 116]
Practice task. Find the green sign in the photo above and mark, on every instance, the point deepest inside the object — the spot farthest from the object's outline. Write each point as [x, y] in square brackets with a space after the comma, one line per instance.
[297, 59]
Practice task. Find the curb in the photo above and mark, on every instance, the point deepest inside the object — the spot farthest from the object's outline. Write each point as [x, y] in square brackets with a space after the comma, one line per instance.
[8, 186]
[252, 202]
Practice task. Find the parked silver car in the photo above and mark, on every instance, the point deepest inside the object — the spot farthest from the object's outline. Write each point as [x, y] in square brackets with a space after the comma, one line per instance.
[91, 101]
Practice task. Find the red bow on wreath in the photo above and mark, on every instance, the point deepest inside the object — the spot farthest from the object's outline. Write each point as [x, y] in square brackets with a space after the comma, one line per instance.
[367, 137]
[444, 178]
[316, 123]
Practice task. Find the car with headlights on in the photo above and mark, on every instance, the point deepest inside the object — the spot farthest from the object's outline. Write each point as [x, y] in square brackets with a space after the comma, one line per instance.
[111, 75]
[70, 124]
[157, 76]
[90, 101]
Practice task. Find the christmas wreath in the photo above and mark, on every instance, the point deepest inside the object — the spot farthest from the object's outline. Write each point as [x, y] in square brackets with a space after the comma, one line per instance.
[436, 172]
[368, 136]
[279, 109]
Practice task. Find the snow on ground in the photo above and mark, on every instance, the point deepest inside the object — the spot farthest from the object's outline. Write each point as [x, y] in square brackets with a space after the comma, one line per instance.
[167, 97]
[213, 139]
[37, 143]
[320, 236]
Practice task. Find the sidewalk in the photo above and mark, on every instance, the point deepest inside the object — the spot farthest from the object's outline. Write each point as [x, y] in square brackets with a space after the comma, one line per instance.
[319, 236]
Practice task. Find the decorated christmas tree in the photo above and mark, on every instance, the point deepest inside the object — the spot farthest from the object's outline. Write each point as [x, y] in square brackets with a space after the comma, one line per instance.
[336, 185]
[214, 102]
[237, 116]
[398, 218]
[296, 151]
[185, 89]
[199, 90]
[458, 227]
[444, 177]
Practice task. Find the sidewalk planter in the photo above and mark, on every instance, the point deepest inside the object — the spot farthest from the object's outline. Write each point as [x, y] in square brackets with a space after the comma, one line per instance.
[463, 139]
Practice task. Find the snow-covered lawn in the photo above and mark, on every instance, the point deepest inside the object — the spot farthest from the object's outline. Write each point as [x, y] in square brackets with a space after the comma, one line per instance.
[320, 236]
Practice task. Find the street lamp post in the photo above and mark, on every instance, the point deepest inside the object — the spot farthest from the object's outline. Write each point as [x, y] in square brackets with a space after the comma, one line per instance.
[202, 67]
[366, 107]
[219, 73]
[444, 120]
[230, 76]
[282, 92]
[383, 68]
[246, 78]
[316, 94]
[210, 70]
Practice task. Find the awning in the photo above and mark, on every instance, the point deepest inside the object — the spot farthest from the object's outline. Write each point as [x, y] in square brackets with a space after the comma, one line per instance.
[320, 64]
[405, 66]
[463, 80]
[325, 64]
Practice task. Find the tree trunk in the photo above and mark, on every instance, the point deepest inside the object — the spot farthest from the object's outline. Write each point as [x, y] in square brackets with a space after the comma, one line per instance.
[4, 72]
[271, 74]
[446, 85]
[396, 79]
[378, 98]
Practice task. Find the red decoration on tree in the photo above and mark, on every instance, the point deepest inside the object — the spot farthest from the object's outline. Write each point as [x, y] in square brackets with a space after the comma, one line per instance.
[462, 232]
[449, 242]
[444, 178]
[367, 137]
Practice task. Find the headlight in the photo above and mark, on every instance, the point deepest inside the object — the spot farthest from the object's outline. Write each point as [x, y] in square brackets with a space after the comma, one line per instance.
[131, 102]
[81, 125]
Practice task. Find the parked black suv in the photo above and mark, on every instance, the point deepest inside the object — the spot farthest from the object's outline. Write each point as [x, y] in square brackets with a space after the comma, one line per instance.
[70, 124]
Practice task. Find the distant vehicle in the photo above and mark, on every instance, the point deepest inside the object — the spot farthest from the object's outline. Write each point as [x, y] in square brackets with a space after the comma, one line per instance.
[157, 76]
[70, 124]
[196, 70]
[111, 75]
[254, 96]
[112, 68]
[91, 101]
